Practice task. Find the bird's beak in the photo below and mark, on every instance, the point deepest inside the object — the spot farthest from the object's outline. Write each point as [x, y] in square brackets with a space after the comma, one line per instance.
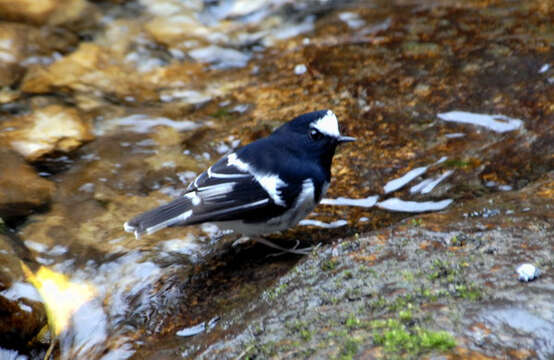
[344, 139]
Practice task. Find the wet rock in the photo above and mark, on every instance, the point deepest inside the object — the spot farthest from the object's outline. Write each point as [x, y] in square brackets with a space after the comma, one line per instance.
[174, 29]
[90, 69]
[22, 314]
[21, 189]
[46, 12]
[7, 95]
[384, 292]
[13, 39]
[50, 129]
[221, 58]
[421, 50]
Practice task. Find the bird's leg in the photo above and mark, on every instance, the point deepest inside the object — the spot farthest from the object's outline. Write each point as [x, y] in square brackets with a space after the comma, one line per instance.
[241, 240]
[293, 250]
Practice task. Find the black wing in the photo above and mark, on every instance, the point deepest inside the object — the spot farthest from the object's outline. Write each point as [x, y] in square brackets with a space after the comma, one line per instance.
[228, 190]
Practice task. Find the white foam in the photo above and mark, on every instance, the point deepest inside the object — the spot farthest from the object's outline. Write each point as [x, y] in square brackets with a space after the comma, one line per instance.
[8, 354]
[300, 69]
[184, 246]
[454, 135]
[352, 19]
[143, 124]
[33, 245]
[289, 30]
[331, 225]
[198, 328]
[26, 308]
[403, 180]
[219, 57]
[497, 123]
[342, 201]
[185, 95]
[20, 290]
[193, 330]
[395, 204]
[544, 68]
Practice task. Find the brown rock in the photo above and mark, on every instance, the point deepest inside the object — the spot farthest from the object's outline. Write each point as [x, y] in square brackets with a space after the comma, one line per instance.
[21, 189]
[22, 315]
[90, 69]
[45, 12]
[172, 30]
[419, 50]
[52, 128]
[12, 50]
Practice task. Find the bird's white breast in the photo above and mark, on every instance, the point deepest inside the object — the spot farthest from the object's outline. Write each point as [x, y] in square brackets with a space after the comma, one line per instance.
[303, 205]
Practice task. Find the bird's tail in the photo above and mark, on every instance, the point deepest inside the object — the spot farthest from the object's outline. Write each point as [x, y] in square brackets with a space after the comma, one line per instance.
[173, 213]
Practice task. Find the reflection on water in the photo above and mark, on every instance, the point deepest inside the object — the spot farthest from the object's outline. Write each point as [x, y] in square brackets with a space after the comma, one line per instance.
[324, 225]
[342, 201]
[143, 124]
[197, 329]
[497, 123]
[394, 204]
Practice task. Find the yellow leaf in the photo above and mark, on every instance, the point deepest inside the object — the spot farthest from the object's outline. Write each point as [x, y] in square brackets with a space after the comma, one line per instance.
[62, 297]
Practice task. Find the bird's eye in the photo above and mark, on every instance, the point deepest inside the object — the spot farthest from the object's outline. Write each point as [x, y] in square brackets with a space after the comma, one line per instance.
[315, 135]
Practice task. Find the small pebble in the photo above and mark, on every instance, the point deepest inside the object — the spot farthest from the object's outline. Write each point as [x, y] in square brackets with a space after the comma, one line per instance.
[300, 69]
[527, 272]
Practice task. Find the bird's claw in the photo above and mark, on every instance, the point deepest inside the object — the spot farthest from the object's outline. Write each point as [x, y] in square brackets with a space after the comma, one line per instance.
[293, 250]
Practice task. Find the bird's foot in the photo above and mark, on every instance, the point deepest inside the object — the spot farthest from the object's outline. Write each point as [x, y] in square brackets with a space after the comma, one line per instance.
[241, 240]
[293, 250]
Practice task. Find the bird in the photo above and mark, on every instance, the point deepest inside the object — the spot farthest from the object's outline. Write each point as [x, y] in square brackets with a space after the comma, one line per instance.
[263, 187]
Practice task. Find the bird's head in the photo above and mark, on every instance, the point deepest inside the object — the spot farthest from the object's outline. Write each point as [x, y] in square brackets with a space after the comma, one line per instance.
[318, 132]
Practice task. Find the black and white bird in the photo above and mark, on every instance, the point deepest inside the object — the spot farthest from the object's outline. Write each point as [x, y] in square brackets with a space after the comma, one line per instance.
[264, 187]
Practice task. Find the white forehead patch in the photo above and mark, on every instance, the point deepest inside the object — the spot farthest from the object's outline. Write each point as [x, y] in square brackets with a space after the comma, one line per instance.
[327, 125]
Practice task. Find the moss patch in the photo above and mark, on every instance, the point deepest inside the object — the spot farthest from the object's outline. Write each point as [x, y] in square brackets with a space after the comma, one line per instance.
[397, 338]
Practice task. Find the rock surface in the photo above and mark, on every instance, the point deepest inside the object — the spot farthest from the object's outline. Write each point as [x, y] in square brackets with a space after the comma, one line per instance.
[21, 189]
[50, 12]
[13, 42]
[50, 129]
[22, 315]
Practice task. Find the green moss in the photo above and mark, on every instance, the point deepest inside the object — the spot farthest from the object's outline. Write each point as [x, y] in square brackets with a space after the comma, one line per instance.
[348, 275]
[453, 274]
[416, 222]
[300, 329]
[330, 264]
[457, 163]
[408, 275]
[397, 338]
[350, 348]
[455, 241]
[276, 291]
[221, 113]
[352, 322]
[468, 291]
[440, 269]
[405, 315]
